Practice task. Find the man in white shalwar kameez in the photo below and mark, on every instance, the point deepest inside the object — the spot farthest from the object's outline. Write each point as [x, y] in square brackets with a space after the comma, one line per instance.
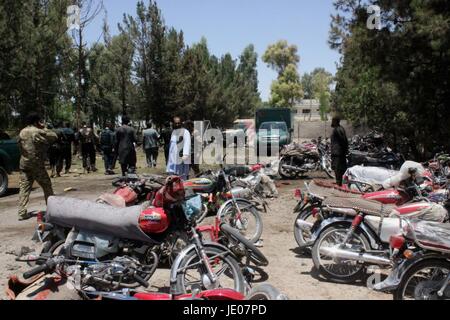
[180, 151]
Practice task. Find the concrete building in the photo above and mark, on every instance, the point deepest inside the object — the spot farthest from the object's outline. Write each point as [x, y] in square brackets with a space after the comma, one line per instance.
[308, 110]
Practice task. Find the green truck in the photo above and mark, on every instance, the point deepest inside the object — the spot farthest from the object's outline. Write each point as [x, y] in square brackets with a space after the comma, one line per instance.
[9, 160]
[274, 125]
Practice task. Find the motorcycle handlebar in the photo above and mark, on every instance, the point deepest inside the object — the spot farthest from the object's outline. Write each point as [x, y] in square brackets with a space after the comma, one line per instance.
[49, 265]
[141, 280]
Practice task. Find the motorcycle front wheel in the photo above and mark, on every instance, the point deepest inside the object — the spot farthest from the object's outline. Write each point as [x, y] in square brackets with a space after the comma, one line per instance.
[335, 269]
[326, 166]
[423, 281]
[302, 237]
[249, 223]
[193, 272]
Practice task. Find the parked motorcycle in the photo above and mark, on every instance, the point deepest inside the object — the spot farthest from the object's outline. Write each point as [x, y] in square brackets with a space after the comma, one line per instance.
[132, 190]
[384, 158]
[139, 238]
[439, 167]
[421, 262]
[308, 210]
[360, 234]
[60, 279]
[299, 159]
[219, 195]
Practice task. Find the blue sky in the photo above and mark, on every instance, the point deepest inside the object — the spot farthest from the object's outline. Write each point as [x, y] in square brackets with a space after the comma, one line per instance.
[230, 25]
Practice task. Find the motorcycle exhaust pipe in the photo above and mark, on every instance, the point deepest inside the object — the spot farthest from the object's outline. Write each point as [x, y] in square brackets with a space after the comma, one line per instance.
[304, 225]
[355, 256]
[292, 168]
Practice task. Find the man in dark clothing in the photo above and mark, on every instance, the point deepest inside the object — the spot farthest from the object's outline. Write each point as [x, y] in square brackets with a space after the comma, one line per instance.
[339, 150]
[166, 136]
[125, 145]
[107, 145]
[88, 140]
[54, 151]
[67, 138]
[151, 148]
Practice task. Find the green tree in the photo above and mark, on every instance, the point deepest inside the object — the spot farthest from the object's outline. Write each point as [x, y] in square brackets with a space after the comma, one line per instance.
[287, 90]
[396, 78]
[280, 55]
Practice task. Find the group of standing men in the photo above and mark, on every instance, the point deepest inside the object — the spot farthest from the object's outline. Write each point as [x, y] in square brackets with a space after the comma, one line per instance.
[37, 142]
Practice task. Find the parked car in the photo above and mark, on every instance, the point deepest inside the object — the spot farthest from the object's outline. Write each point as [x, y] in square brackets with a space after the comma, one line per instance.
[9, 160]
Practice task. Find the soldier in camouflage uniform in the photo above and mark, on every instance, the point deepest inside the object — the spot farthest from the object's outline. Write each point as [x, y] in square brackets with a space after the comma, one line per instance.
[34, 142]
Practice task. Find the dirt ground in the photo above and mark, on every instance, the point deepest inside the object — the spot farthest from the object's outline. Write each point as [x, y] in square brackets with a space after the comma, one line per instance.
[289, 271]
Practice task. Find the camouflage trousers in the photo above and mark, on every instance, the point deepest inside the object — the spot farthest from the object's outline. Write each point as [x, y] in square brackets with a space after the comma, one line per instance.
[27, 179]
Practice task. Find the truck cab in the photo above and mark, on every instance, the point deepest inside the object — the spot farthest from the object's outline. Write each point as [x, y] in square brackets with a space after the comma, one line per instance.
[274, 126]
[9, 160]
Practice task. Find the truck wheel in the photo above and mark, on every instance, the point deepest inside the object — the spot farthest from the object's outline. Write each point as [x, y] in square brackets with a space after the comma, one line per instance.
[3, 182]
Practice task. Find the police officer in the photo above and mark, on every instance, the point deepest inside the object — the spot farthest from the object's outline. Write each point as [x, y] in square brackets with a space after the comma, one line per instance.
[34, 142]
[107, 145]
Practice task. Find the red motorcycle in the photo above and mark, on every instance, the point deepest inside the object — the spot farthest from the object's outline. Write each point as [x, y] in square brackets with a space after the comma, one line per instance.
[132, 190]
[55, 280]
[400, 199]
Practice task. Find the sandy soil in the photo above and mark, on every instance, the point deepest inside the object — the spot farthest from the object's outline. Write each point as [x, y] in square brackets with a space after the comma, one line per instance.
[289, 271]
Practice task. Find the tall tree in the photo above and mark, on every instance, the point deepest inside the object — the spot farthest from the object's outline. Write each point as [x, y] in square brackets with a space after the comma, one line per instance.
[287, 90]
[280, 55]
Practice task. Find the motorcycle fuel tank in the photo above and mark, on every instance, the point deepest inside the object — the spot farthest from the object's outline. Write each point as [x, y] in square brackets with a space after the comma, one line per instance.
[154, 221]
[200, 185]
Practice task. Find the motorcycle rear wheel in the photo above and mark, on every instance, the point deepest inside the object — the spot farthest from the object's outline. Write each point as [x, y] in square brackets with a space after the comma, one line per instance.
[265, 292]
[409, 286]
[191, 267]
[284, 173]
[337, 271]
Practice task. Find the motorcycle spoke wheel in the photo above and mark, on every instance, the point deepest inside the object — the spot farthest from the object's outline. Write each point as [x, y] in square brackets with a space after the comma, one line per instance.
[424, 283]
[224, 267]
[302, 237]
[335, 268]
[246, 223]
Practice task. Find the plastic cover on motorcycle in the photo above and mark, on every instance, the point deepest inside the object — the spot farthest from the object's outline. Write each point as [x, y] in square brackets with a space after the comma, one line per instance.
[97, 218]
[370, 175]
[403, 174]
[433, 212]
[432, 235]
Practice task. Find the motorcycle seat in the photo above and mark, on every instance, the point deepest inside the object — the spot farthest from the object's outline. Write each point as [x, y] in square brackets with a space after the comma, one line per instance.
[325, 191]
[367, 207]
[96, 218]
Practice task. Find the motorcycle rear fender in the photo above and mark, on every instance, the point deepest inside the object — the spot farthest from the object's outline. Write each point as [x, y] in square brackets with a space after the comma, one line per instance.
[394, 279]
[247, 204]
[184, 253]
[339, 221]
